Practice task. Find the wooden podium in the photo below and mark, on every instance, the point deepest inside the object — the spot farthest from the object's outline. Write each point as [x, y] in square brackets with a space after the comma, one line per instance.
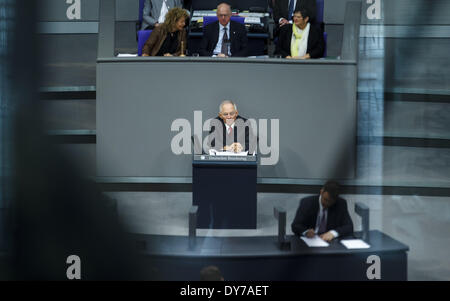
[224, 189]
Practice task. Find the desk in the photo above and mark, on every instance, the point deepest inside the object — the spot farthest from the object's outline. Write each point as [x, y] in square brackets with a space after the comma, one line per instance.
[260, 259]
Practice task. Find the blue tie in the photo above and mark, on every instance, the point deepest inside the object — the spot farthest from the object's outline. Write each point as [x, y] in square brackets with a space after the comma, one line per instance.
[323, 222]
[291, 9]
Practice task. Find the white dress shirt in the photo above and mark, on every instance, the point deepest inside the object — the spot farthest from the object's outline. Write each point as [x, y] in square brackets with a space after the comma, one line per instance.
[295, 3]
[228, 127]
[163, 13]
[319, 215]
[218, 48]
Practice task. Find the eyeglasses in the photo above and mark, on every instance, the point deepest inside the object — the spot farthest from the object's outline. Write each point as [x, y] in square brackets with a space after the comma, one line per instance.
[229, 114]
[223, 16]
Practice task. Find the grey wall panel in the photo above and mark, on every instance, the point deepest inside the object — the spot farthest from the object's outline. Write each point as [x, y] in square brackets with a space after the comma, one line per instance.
[417, 64]
[127, 10]
[394, 12]
[137, 100]
[334, 39]
[67, 27]
[55, 10]
[68, 60]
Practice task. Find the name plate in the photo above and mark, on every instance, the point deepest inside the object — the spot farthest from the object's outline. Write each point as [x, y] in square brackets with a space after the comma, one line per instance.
[224, 158]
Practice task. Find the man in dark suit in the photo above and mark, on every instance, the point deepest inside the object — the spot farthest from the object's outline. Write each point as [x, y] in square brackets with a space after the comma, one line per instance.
[224, 37]
[231, 132]
[325, 214]
[284, 10]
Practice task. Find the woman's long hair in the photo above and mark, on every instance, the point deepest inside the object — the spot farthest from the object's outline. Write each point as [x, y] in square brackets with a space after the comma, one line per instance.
[173, 15]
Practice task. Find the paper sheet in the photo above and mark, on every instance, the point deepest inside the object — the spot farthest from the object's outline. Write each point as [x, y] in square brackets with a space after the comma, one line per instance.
[228, 153]
[316, 241]
[126, 55]
[355, 244]
[252, 20]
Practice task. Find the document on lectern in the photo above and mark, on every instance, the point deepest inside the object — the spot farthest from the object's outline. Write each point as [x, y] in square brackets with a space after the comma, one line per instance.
[217, 153]
[316, 241]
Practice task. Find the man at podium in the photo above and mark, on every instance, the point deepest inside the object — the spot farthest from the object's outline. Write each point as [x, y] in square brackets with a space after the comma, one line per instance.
[230, 131]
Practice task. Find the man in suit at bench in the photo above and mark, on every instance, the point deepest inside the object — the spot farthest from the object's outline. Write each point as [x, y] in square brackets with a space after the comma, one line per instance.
[325, 215]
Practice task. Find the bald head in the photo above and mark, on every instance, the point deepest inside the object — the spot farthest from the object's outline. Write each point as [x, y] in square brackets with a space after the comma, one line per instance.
[224, 13]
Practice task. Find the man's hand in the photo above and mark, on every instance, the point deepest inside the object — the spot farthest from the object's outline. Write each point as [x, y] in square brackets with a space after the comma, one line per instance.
[310, 233]
[283, 22]
[157, 24]
[235, 147]
[167, 54]
[145, 54]
[221, 55]
[327, 236]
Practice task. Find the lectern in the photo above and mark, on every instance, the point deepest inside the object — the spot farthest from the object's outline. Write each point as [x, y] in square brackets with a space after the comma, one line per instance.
[224, 189]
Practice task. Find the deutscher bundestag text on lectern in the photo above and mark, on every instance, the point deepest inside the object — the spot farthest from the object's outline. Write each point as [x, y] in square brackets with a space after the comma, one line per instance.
[224, 189]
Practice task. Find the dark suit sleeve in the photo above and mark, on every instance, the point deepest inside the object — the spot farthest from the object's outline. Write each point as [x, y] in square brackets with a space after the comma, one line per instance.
[284, 42]
[243, 42]
[277, 12]
[345, 221]
[311, 7]
[204, 44]
[299, 225]
[316, 49]
[247, 141]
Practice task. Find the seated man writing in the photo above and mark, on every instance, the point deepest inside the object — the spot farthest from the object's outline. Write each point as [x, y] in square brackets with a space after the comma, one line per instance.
[231, 132]
[325, 215]
[224, 37]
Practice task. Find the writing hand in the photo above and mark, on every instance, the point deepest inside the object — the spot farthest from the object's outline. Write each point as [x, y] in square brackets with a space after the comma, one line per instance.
[327, 236]
[310, 233]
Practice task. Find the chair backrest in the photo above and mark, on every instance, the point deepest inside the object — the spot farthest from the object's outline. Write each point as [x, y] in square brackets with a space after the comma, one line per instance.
[210, 19]
[319, 16]
[141, 10]
[143, 36]
[325, 38]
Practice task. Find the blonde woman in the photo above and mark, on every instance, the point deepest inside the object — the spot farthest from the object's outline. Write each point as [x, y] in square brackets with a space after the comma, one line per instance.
[166, 39]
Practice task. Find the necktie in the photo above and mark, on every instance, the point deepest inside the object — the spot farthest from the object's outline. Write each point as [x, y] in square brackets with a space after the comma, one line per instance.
[225, 42]
[323, 222]
[230, 129]
[291, 9]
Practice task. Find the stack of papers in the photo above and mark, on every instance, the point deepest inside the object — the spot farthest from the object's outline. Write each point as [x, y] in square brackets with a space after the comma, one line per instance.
[213, 152]
[355, 244]
[126, 55]
[316, 241]
[231, 154]
[252, 20]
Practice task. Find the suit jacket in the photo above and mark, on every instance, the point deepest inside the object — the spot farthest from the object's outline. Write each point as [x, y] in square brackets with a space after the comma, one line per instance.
[239, 136]
[315, 46]
[338, 218]
[152, 9]
[238, 39]
[157, 38]
[281, 9]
